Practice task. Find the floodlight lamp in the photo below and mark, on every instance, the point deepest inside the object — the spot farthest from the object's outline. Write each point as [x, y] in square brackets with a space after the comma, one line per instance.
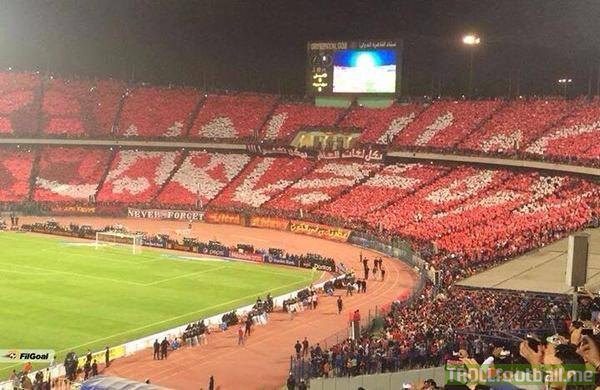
[471, 40]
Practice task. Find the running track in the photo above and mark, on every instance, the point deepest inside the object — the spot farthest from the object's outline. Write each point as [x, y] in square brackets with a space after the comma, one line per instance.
[263, 362]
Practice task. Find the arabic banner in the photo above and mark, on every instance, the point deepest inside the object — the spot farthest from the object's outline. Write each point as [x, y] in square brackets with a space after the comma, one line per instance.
[224, 217]
[318, 230]
[367, 154]
[269, 222]
[360, 153]
[64, 209]
[179, 215]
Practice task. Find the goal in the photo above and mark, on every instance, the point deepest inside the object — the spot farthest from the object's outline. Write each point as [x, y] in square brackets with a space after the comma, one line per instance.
[118, 238]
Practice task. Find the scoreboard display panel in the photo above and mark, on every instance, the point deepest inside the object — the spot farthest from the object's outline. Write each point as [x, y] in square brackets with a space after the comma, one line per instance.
[354, 67]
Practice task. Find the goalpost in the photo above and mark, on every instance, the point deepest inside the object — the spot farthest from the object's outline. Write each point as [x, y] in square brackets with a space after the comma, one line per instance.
[119, 238]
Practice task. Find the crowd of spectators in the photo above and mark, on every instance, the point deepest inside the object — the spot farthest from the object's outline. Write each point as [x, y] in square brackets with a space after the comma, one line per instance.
[438, 324]
[80, 108]
[288, 118]
[517, 124]
[235, 117]
[201, 177]
[325, 182]
[261, 180]
[380, 125]
[445, 123]
[69, 174]
[150, 112]
[137, 176]
[19, 98]
[15, 173]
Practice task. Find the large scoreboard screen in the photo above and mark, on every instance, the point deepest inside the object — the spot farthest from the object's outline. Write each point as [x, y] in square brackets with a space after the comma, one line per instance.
[354, 67]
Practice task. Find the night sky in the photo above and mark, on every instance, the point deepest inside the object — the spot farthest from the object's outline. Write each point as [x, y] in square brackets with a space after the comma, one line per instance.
[261, 45]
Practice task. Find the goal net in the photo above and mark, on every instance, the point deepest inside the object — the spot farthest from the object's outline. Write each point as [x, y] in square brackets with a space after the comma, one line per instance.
[118, 238]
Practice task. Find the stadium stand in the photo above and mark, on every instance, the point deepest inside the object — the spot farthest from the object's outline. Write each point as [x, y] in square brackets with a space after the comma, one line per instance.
[327, 180]
[235, 118]
[441, 196]
[20, 95]
[390, 184]
[77, 108]
[137, 176]
[445, 123]
[289, 118]
[151, 112]
[261, 180]
[15, 171]
[574, 140]
[515, 125]
[433, 329]
[200, 178]
[381, 125]
[69, 174]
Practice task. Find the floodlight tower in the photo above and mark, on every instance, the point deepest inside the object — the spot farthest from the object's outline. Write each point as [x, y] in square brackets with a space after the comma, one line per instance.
[472, 41]
[565, 82]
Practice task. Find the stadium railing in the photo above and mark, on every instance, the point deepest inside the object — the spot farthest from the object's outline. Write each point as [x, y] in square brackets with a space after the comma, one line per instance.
[390, 381]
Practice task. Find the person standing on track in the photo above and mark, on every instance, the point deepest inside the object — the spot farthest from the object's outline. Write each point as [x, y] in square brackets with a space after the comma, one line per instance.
[298, 348]
[164, 345]
[211, 383]
[305, 347]
[107, 357]
[340, 304]
[156, 347]
[382, 274]
[240, 336]
[248, 325]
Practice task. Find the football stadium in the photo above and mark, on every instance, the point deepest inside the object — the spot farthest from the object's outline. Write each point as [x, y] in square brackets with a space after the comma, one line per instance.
[299, 195]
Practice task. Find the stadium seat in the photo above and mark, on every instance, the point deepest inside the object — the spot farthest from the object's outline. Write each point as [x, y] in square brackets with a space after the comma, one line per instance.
[515, 125]
[69, 174]
[261, 180]
[288, 119]
[15, 171]
[151, 112]
[201, 177]
[328, 180]
[19, 101]
[73, 108]
[390, 184]
[233, 117]
[381, 125]
[137, 176]
[445, 123]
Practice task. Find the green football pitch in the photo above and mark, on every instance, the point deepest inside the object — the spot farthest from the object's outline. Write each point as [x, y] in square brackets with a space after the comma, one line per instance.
[66, 295]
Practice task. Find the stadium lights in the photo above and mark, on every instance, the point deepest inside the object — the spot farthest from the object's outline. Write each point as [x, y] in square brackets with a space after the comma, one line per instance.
[565, 82]
[471, 40]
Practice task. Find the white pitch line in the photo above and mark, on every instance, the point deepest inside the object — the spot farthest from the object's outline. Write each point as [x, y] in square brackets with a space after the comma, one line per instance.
[184, 276]
[75, 274]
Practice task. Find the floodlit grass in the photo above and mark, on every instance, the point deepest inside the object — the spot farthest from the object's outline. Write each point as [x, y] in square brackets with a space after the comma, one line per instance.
[67, 295]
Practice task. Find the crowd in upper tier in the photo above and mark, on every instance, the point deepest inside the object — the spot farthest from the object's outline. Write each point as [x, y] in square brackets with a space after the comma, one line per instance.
[550, 129]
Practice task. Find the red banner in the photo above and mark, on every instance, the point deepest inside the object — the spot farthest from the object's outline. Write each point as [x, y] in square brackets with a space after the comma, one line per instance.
[318, 230]
[269, 222]
[223, 217]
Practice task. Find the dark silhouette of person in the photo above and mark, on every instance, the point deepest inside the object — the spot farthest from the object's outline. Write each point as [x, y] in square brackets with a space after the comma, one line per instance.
[156, 346]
